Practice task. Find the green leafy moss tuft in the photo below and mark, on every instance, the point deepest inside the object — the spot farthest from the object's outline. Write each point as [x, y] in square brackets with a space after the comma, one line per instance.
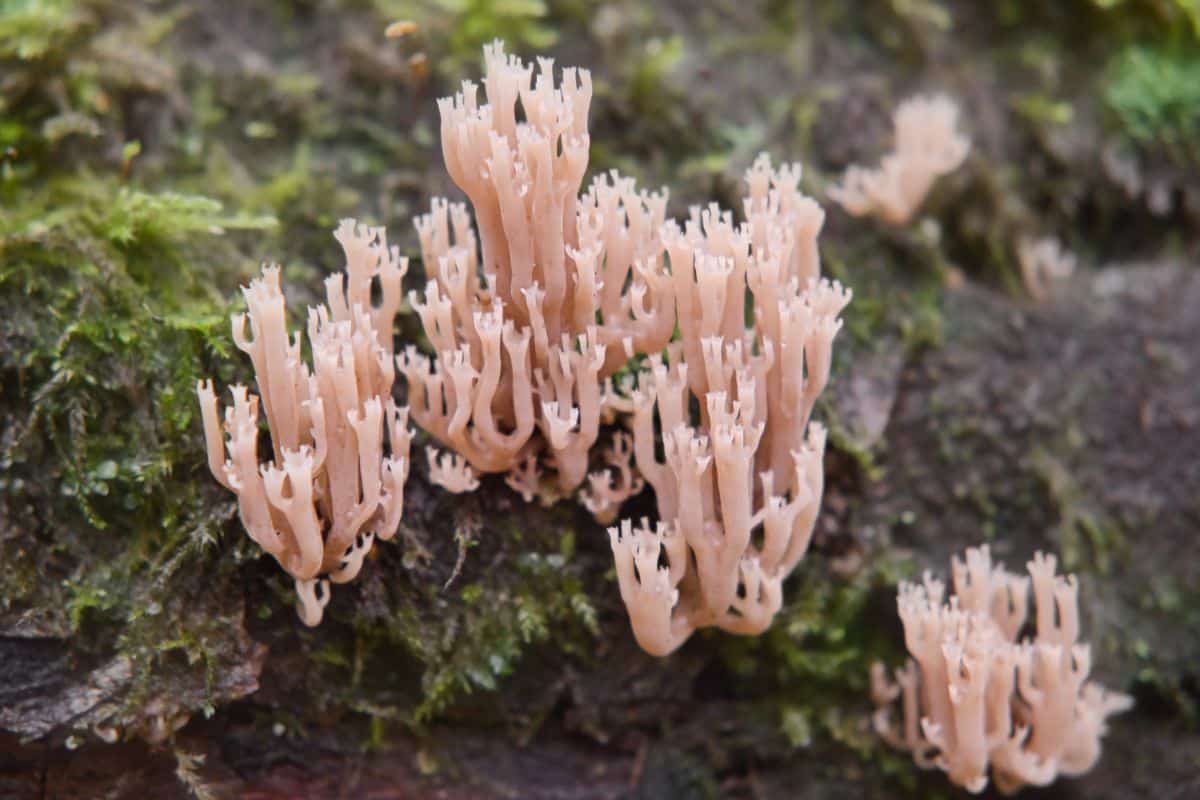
[1155, 96]
[111, 308]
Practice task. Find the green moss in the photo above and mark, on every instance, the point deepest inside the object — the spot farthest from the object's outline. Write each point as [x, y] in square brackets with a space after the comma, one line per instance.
[1041, 108]
[67, 65]
[898, 281]
[1086, 535]
[812, 664]
[1171, 16]
[422, 643]
[481, 636]
[35, 29]
[111, 313]
[1154, 95]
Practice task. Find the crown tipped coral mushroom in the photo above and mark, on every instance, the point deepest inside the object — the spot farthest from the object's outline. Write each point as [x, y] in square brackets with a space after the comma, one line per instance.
[1044, 263]
[751, 460]
[556, 292]
[608, 488]
[927, 146]
[972, 696]
[450, 471]
[340, 444]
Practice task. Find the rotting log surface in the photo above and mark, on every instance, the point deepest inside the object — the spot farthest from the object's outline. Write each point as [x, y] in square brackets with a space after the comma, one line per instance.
[484, 652]
[1012, 383]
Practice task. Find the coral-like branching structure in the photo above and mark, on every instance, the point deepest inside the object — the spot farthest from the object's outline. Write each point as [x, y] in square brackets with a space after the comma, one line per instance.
[557, 291]
[340, 444]
[750, 460]
[529, 321]
[608, 488]
[928, 145]
[1045, 264]
[972, 696]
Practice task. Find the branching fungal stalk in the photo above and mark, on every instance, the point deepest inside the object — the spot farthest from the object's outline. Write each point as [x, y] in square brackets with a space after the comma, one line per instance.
[973, 696]
[751, 460]
[340, 444]
[554, 294]
[928, 145]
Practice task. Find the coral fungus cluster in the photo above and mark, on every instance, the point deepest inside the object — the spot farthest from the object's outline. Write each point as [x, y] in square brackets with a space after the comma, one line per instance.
[973, 696]
[751, 459]
[556, 292]
[340, 443]
[928, 145]
[725, 331]
[528, 319]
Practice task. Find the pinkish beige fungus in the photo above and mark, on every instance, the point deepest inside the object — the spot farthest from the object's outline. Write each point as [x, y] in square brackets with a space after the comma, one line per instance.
[533, 308]
[1045, 264]
[529, 312]
[555, 292]
[928, 145]
[450, 471]
[751, 460]
[340, 444]
[610, 487]
[973, 697]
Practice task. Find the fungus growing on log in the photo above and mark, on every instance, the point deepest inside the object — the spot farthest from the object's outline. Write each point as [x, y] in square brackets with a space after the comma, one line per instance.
[973, 696]
[750, 460]
[1045, 264]
[556, 292]
[928, 145]
[610, 487]
[340, 443]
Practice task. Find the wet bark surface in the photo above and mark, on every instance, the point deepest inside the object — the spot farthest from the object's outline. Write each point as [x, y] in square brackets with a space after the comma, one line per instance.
[1011, 383]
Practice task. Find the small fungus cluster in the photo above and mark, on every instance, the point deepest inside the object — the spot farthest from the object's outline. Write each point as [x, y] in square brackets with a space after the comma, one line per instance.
[537, 296]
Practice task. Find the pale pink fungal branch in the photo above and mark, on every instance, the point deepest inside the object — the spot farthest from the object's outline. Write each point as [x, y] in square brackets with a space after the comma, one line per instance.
[927, 146]
[608, 488]
[1044, 263]
[751, 460]
[616, 402]
[526, 479]
[450, 471]
[972, 696]
[556, 291]
[340, 445]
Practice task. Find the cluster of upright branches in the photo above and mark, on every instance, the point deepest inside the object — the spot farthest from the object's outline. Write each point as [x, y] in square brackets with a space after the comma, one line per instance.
[927, 145]
[725, 330]
[528, 312]
[749, 458]
[972, 695]
[340, 444]
[555, 293]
